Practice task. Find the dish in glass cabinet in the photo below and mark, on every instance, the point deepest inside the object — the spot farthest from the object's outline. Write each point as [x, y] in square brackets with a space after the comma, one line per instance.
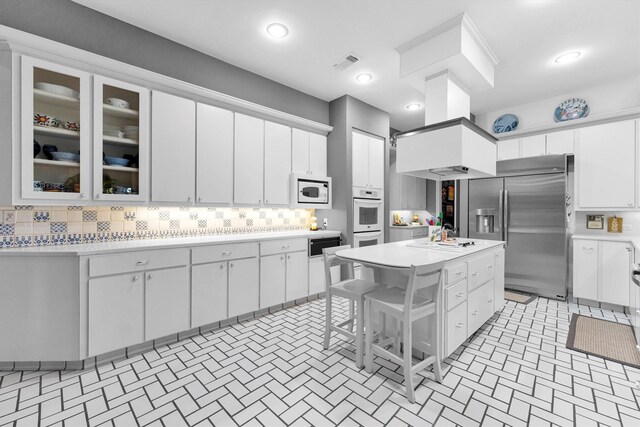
[117, 102]
[45, 120]
[573, 108]
[116, 161]
[505, 123]
[57, 90]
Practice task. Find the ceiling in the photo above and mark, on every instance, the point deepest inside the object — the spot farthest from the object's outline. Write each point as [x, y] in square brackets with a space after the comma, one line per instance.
[525, 35]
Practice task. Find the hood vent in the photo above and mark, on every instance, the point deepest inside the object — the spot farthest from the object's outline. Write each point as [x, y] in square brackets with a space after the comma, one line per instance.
[346, 62]
[451, 170]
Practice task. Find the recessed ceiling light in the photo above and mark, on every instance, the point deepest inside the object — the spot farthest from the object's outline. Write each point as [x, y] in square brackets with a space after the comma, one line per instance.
[277, 30]
[567, 57]
[413, 107]
[364, 78]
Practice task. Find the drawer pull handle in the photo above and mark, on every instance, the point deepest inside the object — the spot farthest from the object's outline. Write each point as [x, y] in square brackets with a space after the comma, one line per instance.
[491, 266]
[459, 325]
[459, 273]
[145, 262]
[285, 246]
[475, 313]
[226, 253]
[474, 274]
[459, 295]
[134, 278]
[490, 300]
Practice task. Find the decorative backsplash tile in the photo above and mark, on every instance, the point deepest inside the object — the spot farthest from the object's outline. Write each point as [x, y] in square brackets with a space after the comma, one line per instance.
[58, 225]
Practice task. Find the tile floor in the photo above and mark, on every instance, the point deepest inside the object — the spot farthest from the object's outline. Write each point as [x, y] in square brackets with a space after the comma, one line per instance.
[272, 371]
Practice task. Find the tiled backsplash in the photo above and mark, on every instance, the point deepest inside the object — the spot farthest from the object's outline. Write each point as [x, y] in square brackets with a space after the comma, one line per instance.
[56, 225]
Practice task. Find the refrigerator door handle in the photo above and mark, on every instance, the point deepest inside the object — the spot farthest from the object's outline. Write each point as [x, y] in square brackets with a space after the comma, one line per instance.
[501, 214]
[506, 216]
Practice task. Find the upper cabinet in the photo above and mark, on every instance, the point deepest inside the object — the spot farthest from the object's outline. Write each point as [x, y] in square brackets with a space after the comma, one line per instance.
[308, 153]
[606, 165]
[56, 132]
[173, 130]
[214, 135]
[536, 145]
[248, 160]
[367, 161]
[121, 141]
[277, 161]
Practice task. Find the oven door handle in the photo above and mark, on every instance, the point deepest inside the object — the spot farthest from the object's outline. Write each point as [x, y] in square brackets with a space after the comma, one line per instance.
[370, 202]
[635, 274]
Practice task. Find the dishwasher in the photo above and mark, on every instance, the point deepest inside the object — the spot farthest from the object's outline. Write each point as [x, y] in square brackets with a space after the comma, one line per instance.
[317, 283]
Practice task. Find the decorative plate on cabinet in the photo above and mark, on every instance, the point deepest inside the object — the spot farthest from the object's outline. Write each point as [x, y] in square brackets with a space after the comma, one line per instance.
[574, 108]
[505, 123]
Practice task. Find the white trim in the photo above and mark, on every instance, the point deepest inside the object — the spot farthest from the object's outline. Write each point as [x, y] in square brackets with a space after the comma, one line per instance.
[614, 116]
[29, 44]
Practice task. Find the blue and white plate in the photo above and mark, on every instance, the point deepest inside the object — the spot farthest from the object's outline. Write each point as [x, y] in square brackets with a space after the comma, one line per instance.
[574, 108]
[505, 123]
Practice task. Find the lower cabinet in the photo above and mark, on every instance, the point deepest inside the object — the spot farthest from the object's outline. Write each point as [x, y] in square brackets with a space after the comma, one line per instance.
[244, 286]
[297, 276]
[167, 302]
[456, 326]
[480, 305]
[601, 271]
[498, 280]
[209, 293]
[272, 280]
[116, 312]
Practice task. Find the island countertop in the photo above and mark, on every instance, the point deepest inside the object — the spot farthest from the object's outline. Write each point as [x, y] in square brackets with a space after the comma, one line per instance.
[404, 254]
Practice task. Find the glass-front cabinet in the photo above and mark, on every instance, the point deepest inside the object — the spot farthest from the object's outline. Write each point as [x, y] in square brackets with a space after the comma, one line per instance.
[55, 131]
[120, 134]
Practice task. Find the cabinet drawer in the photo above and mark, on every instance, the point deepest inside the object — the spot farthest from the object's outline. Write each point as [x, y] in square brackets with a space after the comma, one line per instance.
[103, 265]
[456, 294]
[455, 273]
[480, 270]
[223, 252]
[282, 246]
[421, 232]
[480, 305]
[456, 327]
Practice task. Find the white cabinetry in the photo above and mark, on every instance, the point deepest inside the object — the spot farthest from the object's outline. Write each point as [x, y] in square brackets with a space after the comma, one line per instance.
[173, 133]
[606, 166]
[509, 149]
[601, 270]
[214, 131]
[533, 146]
[277, 161]
[166, 303]
[367, 161]
[209, 293]
[560, 142]
[248, 160]
[308, 153]
[405, 192]
[244, 286]
[284, 271]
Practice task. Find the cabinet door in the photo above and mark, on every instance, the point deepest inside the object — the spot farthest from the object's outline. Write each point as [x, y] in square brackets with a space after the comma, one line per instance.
[480, 306]
[615, 264]
[167, 302]
[318, 154]
[606, 165]
[118, 183]
[116, 312]
[272, 280]
[173, 156]
[499, 279]
[560, 142]
[532, 146]
[408, 189]
[244, 286]
[456, 327]
[40, 108]
[300, 151]
[317, 282]
[248, 160]
[215, 155]
[420, 194]
[360, 160]
[509, 149]
[376, 163]
[297, 275]
[208, 293]
[585, 269]
[277, 163]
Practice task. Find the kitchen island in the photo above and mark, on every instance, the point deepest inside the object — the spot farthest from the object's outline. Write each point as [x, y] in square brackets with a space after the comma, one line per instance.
[473, 286]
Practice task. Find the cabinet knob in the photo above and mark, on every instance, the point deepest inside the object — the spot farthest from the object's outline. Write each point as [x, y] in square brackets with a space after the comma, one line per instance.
[630, 205]
[199, 199]
[281, 258]
[475, 313]
[149, 276]
[288, 256]
[97, 195]
[266, 201]
[490, 266]
[82, 195]
[231, 265]
[134, 278]
[490, 300]
[221, 267]
[475, 273]
[459, 325]
[189, 199]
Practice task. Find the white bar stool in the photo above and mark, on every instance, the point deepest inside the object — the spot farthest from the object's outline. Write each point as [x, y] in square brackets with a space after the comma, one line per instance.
[351, 289]
[405, 307]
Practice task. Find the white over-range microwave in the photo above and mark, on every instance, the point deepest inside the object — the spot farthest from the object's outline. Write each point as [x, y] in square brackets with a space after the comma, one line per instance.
[310, 191]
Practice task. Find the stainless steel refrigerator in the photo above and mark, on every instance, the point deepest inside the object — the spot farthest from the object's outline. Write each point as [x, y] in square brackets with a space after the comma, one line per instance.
[525, 207]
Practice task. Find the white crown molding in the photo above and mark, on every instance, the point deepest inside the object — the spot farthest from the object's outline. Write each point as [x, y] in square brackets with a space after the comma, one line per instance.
[29, 44]
[613, 116]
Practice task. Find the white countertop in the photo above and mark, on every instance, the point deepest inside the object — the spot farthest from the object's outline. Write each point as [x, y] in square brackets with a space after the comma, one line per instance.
[403, 254]
[135, 245]
[409, 226]
[634, 240]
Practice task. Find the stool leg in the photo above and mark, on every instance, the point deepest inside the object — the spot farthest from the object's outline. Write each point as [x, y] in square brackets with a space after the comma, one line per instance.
[360, 332]
[368, 356]
[327, 329]
[437, 368]
[352, 304]
[408, 361]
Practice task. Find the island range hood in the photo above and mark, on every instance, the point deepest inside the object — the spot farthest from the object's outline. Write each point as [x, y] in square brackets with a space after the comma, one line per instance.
[447, 63]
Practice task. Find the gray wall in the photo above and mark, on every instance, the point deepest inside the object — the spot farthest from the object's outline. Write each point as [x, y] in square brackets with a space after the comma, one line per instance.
[70, 23]
[346, 114]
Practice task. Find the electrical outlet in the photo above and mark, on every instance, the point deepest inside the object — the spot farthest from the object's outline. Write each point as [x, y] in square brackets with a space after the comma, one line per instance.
[325, 222]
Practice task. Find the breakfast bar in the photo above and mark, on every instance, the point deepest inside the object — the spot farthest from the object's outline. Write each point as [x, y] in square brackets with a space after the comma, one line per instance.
[473, 287]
